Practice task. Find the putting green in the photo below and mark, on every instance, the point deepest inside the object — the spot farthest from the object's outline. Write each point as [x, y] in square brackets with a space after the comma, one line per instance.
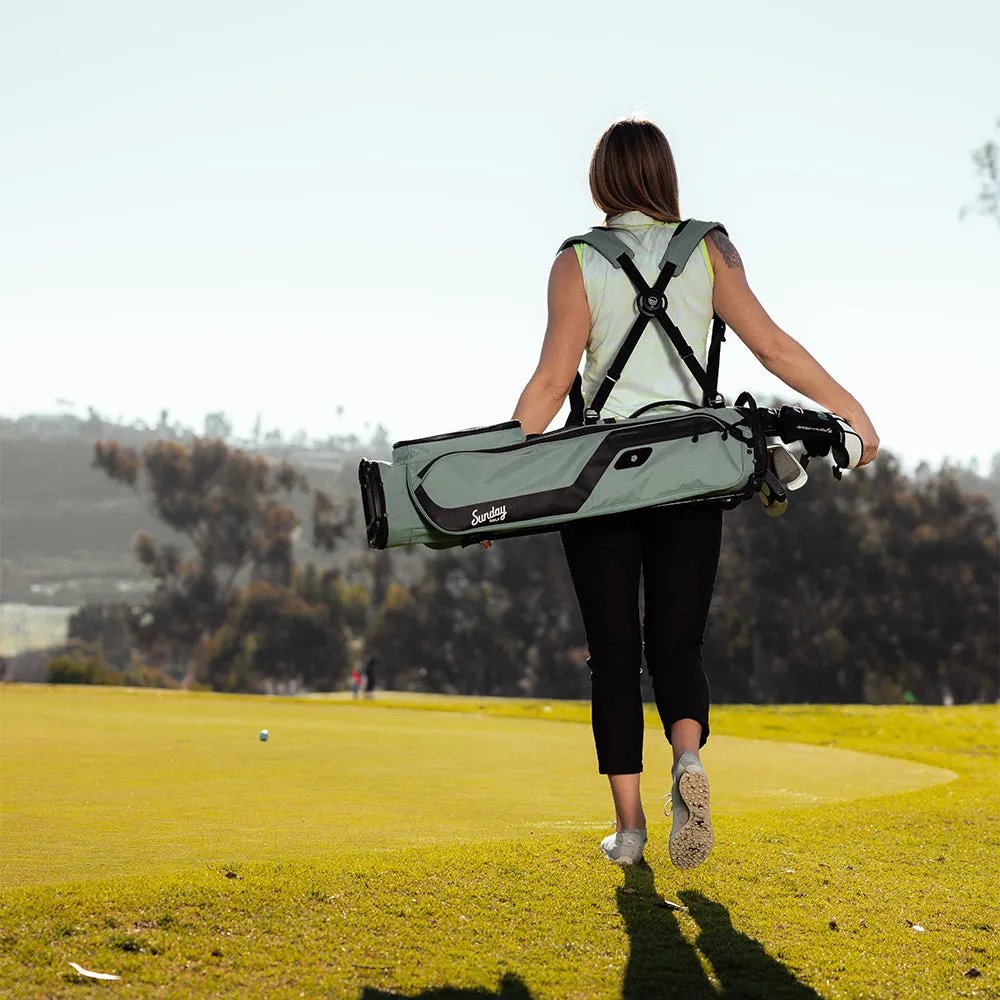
[100, 782]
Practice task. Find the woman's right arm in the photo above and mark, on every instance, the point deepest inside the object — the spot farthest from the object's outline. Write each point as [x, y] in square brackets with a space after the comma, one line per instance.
[779, 353]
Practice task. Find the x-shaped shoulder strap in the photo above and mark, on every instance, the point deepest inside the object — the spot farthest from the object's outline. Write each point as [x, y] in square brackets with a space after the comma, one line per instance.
[651, 303]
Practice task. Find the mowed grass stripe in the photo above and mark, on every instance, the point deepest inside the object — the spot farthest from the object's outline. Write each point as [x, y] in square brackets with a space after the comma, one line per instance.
[106, 782]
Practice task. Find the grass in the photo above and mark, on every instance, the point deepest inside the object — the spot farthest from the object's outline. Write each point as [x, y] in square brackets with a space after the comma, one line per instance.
[105, 782]
[152, 835]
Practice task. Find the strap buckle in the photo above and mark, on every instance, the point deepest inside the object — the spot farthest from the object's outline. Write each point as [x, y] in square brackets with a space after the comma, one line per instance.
[649, 303]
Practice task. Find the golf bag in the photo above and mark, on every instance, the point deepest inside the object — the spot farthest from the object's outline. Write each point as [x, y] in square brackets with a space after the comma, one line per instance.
[492, 482]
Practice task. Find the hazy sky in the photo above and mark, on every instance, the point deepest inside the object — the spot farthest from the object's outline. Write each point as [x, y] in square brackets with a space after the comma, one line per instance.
[286, 208]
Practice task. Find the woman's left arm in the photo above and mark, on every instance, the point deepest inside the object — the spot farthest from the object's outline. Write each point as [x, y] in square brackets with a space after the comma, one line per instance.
[565, 340]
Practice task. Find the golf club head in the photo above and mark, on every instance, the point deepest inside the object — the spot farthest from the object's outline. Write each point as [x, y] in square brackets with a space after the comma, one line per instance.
[786, 467]
[772, 495]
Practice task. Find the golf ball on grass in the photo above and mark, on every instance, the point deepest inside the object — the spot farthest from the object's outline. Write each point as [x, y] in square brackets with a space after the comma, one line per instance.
[264, 736]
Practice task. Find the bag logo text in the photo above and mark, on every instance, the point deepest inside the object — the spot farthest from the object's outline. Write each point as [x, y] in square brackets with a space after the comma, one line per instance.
[490, 516]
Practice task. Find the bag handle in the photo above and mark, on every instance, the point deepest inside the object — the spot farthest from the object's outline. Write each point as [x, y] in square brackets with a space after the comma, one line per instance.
[663, 402]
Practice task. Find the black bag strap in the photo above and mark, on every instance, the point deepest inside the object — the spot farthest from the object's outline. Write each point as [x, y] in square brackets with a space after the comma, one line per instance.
[576, 404]
[714, 355]
[651, 303]
[680, 252]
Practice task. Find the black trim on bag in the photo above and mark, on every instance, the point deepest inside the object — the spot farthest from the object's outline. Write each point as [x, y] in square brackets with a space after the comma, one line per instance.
[724, 501]
[505, 426]
[567, 499]
[562, 433]
[373, 503]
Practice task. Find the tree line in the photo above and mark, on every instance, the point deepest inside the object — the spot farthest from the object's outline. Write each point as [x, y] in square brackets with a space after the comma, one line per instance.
[881, 588]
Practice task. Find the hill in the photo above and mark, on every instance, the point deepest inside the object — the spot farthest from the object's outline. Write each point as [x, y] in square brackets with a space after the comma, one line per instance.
[67, 530]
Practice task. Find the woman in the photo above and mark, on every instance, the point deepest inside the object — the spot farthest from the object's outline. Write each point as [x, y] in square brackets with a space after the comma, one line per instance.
[591, 307]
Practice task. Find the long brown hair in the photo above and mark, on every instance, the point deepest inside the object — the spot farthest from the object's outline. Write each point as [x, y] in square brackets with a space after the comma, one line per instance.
[633, 169]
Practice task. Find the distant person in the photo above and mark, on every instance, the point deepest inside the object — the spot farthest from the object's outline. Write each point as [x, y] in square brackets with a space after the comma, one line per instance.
[370, 664]
[591, 306]
[356, 682]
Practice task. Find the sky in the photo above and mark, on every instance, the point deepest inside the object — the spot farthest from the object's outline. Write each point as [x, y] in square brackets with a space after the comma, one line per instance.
[334, 216]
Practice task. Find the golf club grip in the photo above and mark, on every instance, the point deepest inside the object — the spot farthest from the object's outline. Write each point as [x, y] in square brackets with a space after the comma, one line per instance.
[821, 433]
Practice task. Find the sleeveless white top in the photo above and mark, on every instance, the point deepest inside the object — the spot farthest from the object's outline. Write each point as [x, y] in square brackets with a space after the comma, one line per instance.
[655, 370]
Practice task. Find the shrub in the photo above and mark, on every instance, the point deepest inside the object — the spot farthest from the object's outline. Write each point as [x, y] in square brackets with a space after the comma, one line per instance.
[67, 669]
[144, 676]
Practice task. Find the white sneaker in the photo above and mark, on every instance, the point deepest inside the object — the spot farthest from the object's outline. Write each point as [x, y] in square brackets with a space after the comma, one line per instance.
[691, 836]
[624, 848]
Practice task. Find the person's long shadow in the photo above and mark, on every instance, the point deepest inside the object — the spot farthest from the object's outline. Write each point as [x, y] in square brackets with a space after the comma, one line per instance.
[662, 965]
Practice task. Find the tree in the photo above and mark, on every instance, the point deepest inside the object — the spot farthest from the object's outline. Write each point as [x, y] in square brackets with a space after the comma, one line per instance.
[274, 633]
[164, 429]
[106, 627]
[379, 443]
[446, 633]
[93, 426]
[861, 592]
[987, 162]
[227, 504]
[218, 425]
[542, 612]
[503, 622]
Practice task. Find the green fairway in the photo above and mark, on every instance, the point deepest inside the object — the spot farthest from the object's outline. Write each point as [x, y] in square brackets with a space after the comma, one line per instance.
[381, 848]
[103, 782]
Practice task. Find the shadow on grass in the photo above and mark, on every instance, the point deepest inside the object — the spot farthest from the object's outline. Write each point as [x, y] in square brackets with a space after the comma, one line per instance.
[742, 966]
[511, 988]
[661, 964]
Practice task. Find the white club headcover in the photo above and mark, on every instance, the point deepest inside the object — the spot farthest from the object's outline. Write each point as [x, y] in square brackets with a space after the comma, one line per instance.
[852, 444]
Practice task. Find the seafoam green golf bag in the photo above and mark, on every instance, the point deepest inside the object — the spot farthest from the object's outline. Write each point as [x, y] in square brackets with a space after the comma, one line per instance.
[491, 482]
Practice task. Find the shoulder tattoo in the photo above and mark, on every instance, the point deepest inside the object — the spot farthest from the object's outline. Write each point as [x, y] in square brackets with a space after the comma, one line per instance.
[725, 246]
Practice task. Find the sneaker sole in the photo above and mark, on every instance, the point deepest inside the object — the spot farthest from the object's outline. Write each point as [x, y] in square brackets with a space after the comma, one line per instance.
[693, 842]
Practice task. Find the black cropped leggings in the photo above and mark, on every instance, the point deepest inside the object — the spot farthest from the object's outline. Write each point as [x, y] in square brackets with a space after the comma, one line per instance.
[676, 552]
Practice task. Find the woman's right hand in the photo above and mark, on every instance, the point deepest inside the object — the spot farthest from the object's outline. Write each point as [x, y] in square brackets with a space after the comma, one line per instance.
[866, 431]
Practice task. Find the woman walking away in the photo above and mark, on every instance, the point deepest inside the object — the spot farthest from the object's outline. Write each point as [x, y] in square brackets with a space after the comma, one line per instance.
[591, 306]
